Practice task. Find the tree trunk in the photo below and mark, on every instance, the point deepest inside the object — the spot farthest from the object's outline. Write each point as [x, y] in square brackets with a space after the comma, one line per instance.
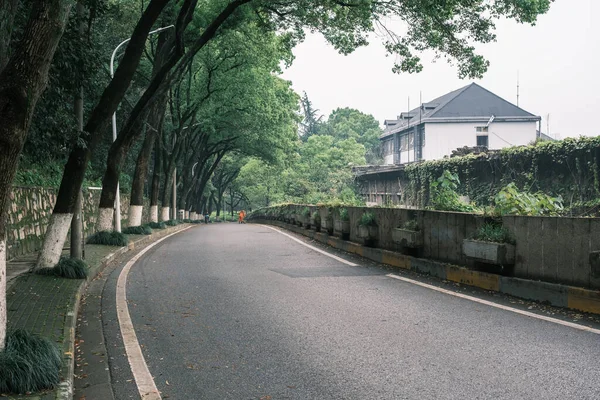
[140, 175]
[155, 190]
[22, 82]
[79, 157]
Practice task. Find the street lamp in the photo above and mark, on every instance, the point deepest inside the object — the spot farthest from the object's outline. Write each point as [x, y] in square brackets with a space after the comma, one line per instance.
[117, 217]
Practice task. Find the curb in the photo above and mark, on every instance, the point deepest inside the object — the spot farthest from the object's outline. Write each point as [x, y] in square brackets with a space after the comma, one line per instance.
[565, 296]
[65, 388]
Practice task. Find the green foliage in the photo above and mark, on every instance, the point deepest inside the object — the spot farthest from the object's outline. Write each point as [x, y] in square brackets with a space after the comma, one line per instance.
[493, 232]
[411, 225]
[138, 230]
[67, 267]
[305, 212]
[317, 218]
[172, 222]
[156, 225]
[187, 221]
[511, 201]
[344, 216]
[29, 363]
[108, 238]
[444, 196]
[569, 168]
[368, 219]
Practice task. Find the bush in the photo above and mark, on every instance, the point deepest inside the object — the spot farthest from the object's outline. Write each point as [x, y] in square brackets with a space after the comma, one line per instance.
[444, 196]
[138, 230]
[495, 233]
[187, 221]
[156, 225]
[108, 238]
[368, 219]
[317, 218]
[172, 222]
[411, 225]
[510, 200]
[67, 267]
[344, 214]
[306, 212]
[29, 363]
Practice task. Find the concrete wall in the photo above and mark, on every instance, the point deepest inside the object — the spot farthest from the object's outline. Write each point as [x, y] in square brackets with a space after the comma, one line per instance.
[442, 138]
[30, 211]
[552, 249]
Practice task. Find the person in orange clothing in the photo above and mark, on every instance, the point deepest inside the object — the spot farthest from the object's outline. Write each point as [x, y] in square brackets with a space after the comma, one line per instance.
[241, 217]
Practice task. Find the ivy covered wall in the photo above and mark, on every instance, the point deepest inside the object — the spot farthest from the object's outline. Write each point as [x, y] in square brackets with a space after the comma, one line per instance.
[569, 168]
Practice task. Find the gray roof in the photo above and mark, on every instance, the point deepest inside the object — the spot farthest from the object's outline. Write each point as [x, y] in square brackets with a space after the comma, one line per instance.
[467, 103]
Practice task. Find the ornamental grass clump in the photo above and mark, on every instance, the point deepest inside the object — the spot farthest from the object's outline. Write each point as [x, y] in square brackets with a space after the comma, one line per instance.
[108, 238]
[138, 230]
[344, 216]
[367, 219]
[28, 363]
[494, 233]
[156, 225]
[67, 267]
[411, 225]
[172, 222]
[317, 218]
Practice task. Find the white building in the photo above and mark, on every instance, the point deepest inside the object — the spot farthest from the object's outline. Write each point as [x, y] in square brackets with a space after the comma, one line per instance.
[470, 116]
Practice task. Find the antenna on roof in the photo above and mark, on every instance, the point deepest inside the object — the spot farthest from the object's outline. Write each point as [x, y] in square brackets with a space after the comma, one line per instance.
[517, 88]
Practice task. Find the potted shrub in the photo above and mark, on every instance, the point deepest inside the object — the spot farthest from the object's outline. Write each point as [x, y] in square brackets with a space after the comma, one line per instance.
[491, 244]
[327, 223]
[409, 235]
[342, 225]
[306, 217]
[315, 221]
[367, 228]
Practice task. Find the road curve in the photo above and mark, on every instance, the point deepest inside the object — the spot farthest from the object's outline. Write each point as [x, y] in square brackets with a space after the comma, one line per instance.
[230, 311]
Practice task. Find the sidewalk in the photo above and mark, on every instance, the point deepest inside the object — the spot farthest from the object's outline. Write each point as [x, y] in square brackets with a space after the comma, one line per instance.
[47, 305]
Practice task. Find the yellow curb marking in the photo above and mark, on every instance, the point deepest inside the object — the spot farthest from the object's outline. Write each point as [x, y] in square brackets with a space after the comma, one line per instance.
[473, 278]
[143, 379]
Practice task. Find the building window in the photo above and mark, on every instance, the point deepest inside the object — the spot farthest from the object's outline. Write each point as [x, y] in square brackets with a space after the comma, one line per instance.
[482, 140]
[481, 129]
[404, 143]
[388, 147]
[411, 141]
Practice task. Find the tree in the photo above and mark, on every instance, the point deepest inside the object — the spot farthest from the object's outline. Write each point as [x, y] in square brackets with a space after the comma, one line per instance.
[347, 123]
[311, 122]
[23, 78]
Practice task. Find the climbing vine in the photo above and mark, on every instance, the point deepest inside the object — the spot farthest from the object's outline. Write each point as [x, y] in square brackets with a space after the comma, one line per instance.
[569, 168]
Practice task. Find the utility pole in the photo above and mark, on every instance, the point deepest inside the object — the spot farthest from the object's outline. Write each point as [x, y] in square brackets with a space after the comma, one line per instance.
[517, 88]
[76, 248]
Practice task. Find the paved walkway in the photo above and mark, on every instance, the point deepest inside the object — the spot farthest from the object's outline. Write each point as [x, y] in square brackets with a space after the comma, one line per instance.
[47, 305]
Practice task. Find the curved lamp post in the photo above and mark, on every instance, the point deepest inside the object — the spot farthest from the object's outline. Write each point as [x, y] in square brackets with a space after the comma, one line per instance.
[117, 217]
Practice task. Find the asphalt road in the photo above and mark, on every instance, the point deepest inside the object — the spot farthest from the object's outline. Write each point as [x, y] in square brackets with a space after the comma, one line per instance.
[230, 311]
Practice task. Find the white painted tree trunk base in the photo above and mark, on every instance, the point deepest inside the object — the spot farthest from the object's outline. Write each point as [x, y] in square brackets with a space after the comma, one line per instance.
[186, 215]
[153, 213]
[193, 216]
[54, 240]
[105, 219]
[181, 214]
[135, 215]
[2, 294]
[165, 214]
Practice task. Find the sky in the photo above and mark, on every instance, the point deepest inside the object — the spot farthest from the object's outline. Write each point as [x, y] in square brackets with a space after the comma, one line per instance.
[557, 63]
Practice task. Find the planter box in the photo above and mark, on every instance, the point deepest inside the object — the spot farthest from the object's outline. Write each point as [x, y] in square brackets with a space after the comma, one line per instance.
[367, 232]
[488, 252]
[327, 225]
[407, 238]
[342, 226]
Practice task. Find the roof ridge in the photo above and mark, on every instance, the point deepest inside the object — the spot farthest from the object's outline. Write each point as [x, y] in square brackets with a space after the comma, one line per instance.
[458, 93]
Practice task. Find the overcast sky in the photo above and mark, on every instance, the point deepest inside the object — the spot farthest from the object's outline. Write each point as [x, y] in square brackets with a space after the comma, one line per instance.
[558, 62]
